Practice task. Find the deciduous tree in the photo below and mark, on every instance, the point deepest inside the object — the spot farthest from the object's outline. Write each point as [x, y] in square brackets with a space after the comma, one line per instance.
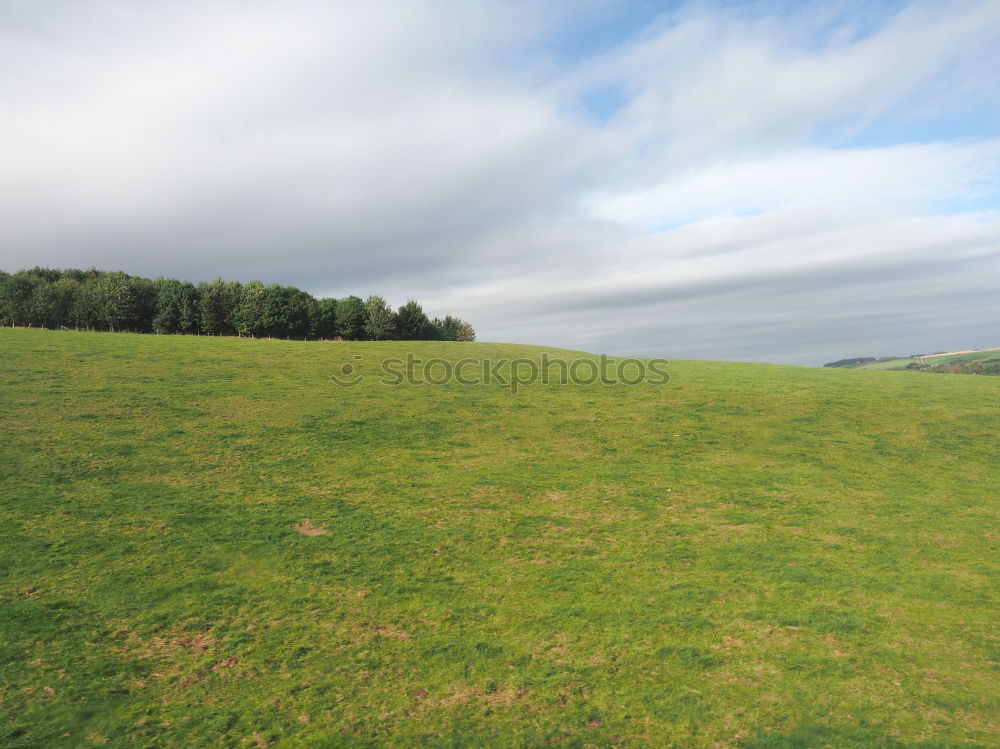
[412, 324]
[351, 318]
[379, 319]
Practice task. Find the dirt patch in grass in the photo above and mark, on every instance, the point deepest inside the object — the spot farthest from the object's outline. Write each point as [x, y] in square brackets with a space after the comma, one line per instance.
[389, 632]
[198, 643]
[504, 697]
[306, 528]
[226, 663]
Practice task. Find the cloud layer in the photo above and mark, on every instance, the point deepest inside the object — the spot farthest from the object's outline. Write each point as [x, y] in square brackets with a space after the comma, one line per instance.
[731, 182]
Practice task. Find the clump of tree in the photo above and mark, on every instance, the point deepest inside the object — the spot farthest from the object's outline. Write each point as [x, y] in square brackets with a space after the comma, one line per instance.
[857, 361]
[978, 367]
[116, 301]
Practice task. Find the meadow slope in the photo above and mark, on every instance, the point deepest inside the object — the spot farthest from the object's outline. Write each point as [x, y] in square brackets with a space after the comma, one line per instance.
[751, 555]
[934, 360]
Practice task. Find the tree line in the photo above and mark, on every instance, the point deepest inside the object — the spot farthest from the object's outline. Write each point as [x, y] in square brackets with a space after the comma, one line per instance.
[116, 301]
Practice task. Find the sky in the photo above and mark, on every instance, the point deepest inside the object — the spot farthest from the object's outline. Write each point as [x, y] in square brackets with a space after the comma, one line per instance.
[750, 181]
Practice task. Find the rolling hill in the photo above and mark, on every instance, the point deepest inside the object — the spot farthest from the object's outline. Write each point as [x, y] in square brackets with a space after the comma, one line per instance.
[935, 360]
[207, 542]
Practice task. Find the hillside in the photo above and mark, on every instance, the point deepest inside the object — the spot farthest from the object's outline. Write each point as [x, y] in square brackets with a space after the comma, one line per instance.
[986, 357]
[986, 361]
[206, 542]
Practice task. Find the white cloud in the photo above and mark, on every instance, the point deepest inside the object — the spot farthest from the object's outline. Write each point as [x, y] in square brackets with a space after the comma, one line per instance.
[720, 81]
[894, 179]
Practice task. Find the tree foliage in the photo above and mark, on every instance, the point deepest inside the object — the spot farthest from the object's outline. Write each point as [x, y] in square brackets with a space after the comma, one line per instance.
[351, 318]
[324, 322]
[250, 311]
[412, 324]
[453, 329]
[380, 321]
[116, 301]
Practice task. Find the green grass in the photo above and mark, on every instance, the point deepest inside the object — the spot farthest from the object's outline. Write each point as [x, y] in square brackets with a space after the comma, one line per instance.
[751, 555]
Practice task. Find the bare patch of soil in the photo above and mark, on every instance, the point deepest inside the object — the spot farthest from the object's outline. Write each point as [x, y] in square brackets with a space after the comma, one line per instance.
[226, 663]
[198, 643]
[388, 632]
[306, 528]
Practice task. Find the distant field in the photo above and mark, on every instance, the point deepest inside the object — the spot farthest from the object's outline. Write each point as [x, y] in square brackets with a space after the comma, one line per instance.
[934, 360]
[749, 556]
[890, 364]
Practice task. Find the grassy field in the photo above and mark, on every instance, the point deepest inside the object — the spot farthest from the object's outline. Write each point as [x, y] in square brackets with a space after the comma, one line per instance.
[933, 360]
[891, 363]
[749, 556]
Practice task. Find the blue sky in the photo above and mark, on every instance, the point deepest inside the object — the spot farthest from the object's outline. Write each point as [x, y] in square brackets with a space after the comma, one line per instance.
[610, 26]
[792, 182]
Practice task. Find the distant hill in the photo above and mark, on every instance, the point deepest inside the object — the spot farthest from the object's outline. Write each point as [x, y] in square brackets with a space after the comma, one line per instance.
[980, 361]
